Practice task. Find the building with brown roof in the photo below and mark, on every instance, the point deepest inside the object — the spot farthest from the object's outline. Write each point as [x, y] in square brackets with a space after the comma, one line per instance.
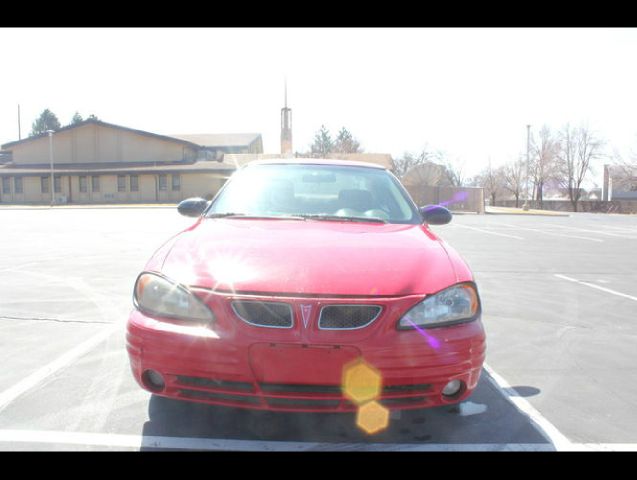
[99, 162]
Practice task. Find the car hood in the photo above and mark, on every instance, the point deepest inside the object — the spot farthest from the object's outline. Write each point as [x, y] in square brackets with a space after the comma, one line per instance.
[291, 257]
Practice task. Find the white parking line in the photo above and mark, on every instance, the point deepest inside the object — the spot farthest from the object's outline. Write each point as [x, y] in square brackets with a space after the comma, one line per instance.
[599, 231]
[9, 395]
[490, 233]
[551, 233]
[546, 428]
[597, 287]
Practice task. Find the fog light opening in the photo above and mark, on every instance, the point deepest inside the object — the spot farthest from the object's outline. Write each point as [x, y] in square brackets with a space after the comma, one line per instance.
[153, 380]
[453, 389]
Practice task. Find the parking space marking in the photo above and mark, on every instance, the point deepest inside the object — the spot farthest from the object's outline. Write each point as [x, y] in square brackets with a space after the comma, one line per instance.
[489, 232]
[546, 428]
[599, 232]
[551, 233]
[193, 443]
[61, 362]
[597, 287]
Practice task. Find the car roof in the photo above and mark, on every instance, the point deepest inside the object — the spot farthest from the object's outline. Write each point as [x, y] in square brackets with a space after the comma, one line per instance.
[316, 161]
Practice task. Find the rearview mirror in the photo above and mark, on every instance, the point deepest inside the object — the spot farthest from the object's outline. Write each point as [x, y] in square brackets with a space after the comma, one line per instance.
[435, 215]
[192, 207]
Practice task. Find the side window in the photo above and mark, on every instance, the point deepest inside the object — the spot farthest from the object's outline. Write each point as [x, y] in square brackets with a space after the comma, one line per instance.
[134, 183]
[163, 182]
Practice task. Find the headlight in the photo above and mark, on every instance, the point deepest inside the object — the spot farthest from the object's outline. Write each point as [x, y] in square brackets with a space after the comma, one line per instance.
[157, 295]
[456, 304]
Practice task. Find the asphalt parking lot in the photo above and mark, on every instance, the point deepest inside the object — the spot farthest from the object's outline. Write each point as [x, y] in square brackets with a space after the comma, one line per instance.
[560, 309]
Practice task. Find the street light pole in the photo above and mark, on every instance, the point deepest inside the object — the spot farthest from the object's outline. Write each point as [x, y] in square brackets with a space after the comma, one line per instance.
[526, 205]
[50, 132]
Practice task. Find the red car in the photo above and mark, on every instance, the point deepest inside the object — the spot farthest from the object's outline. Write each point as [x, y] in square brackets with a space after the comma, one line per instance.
[296, 271]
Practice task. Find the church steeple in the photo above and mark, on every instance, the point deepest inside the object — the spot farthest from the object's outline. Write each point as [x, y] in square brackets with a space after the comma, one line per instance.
[286, 125]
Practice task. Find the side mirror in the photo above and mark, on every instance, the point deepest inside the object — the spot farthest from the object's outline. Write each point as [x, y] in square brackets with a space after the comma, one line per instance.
[435, 215]
[192, 207]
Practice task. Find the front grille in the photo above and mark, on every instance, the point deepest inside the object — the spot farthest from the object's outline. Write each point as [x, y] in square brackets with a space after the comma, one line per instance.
[214, 384]
[396, 402]
[304, 389]
[301, 403]
[414, 388]
[347, 317]
[264, 314]
[223, 397]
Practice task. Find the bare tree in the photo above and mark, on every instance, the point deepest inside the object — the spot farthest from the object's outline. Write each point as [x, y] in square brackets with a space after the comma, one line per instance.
[410, 160]
[455, 171]
[624, 169]
[513, 175]
[543, 162]
[491, 179]
[578, 147]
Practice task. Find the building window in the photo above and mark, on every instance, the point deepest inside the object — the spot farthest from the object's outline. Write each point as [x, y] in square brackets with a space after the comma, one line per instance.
[134, 183]
[176, 183]
[18, 184]
[95, 183]
[45, 182]
[83, 184]
[163, 182]
[57, 184]
[6, 185]
[121, 183]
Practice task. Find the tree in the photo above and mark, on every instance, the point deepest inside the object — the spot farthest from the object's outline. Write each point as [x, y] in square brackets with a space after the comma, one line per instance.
[578, 147]
[455, 171]
[323, 143]
[77, 118]
[92, 117]
[491, 179]
[46, 121]
[410, 160]
[543, 162]
[624, 169]
[346, 143]
[513, 178]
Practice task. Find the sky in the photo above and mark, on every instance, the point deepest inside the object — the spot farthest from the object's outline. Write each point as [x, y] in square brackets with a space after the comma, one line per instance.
[469, 92]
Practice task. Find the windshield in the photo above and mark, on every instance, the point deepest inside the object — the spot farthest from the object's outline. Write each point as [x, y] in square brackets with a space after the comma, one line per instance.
[317, 191]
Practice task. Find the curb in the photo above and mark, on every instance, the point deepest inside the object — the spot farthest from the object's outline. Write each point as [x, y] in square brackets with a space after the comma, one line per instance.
[530, 213]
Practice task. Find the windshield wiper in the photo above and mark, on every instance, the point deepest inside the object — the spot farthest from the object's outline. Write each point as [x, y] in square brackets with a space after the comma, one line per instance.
[249, 216]
[339, 218]
[224, 214]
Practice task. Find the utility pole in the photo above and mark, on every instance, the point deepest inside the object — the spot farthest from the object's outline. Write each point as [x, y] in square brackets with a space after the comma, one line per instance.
[526, 205]
[50, 132]
[19, 129]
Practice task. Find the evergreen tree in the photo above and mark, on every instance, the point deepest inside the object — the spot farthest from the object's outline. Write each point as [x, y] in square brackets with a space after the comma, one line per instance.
[46, 121]
[77, 118]
[346, 143]
[323, 143]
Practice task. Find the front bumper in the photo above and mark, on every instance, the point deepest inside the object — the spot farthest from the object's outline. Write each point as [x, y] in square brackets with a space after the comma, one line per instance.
[302, 369]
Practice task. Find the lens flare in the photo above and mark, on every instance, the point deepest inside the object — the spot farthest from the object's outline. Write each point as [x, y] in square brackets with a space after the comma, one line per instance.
[432, 341]
[361, 382]
[372, 417]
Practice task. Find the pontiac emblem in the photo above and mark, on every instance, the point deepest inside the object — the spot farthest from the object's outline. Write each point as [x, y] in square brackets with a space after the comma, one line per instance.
[306, 311]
